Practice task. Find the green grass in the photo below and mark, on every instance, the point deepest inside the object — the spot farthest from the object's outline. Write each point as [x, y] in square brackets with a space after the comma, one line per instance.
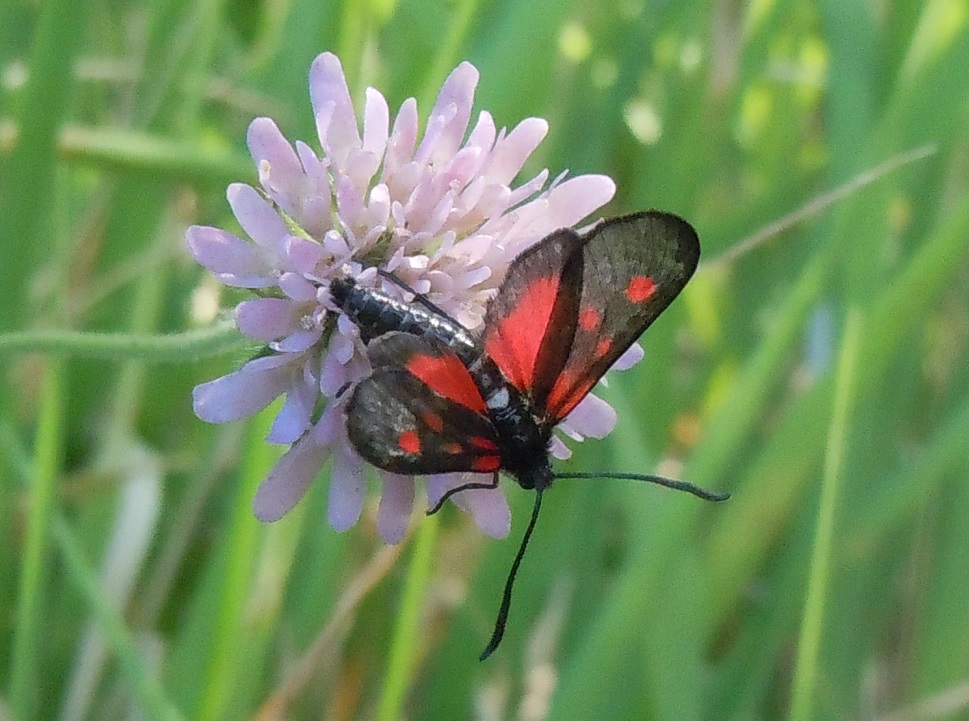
[819, 372]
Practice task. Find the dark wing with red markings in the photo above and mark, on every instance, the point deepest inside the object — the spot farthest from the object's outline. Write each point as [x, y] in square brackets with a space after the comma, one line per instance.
[529, 325]
[635, 265]
[420, 412]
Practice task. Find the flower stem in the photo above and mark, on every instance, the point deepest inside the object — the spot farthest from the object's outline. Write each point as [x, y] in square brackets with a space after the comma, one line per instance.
[170, 348]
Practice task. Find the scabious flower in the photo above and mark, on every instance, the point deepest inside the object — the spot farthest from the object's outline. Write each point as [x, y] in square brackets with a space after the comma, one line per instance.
[439, 211]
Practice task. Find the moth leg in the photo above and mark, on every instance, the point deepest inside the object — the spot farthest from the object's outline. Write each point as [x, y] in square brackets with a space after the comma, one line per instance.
[474, 485]
[418, 298]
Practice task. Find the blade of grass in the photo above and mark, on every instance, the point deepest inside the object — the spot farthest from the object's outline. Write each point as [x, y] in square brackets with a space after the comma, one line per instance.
[742, 533]
[154, 705]
[239, 546]
[29, 637]
[449, 53]
[301, 675]
[28, 185]
[812, 627]
[31, 171]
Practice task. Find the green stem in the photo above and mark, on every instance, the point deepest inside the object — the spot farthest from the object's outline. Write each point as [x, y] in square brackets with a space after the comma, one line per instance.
[215, 340]
[812, 624]
[138, 152]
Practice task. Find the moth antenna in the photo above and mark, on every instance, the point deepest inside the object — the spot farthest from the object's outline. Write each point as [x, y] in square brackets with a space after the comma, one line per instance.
[502, 619]
[658, 480]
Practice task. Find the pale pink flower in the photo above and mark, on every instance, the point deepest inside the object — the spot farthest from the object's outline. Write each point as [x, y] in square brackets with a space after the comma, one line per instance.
[439, 211]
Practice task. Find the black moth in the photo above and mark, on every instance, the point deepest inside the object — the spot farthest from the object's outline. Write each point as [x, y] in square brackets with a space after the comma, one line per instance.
[443, 399]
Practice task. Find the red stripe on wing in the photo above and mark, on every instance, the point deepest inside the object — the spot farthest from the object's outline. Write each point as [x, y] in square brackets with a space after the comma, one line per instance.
[515, 341]
[567, 392]
[447, 376]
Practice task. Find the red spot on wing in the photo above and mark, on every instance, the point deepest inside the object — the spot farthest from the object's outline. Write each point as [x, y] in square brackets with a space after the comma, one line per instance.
[589, 319]
[486, 464]
[409, 442]
[640, 289]
[480, 463]
[433, 421]
[514, 342]
[603, 347]
[484, 443]
[447, 376]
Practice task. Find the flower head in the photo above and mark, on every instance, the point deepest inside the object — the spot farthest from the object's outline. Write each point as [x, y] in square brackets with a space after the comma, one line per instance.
[439, 211]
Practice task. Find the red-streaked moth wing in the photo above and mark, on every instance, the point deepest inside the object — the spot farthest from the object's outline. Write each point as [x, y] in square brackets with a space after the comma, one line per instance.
[530, 323]
[420, 412]
[635, 265]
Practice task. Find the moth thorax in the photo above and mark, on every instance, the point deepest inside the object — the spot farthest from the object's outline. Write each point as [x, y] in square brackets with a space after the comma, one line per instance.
[523, 447]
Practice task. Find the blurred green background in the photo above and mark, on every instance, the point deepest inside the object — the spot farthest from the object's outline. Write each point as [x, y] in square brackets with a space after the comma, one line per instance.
[819, 373]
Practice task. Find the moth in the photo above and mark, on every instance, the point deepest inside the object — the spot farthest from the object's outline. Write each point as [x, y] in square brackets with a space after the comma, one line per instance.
[444, 399]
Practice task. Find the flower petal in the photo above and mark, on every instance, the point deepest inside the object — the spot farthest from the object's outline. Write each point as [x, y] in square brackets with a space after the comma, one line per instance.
[348, 488]
[280, 171]
[396, 506]
[558, 449]
[257, 217]
[244, 392]
[376, 123]
[287, 482]
[298, 341]
[304, 254]
[455, 102]
[577, 197]
[487, 506]
[513, 150]
[631, 357]
[296, 414]
[333, 108]
[267, 319]
[231, 259]
[400, 146]
[483, 134]
[592, 418]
